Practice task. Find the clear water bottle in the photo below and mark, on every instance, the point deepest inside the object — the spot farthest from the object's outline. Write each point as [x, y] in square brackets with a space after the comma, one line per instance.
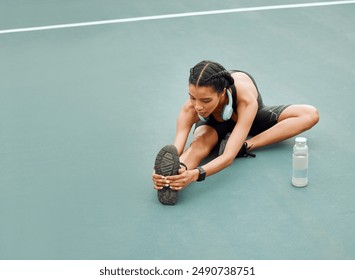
[300, 162]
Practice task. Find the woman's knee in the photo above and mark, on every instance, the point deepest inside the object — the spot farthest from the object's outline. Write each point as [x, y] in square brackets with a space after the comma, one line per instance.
[205, 139]
[311, 116]
[307, 114]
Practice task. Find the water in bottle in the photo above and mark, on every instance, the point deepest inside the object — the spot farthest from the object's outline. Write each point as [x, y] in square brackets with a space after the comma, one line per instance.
[300, 163]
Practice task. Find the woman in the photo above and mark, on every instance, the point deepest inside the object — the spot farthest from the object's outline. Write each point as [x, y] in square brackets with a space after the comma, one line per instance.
[225, 105]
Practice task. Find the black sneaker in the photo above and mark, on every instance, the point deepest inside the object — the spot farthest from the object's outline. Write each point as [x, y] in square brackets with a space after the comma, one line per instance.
[167, 163]
[244, 151]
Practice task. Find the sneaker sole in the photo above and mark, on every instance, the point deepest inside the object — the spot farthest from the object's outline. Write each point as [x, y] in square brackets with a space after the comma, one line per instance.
[167, 163]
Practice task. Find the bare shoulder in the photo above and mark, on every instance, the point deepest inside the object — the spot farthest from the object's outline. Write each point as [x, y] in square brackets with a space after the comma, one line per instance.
[188, 112]
[187, 106]
[244, 85]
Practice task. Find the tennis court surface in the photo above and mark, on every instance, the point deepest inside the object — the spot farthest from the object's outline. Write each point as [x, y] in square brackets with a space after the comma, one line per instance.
[85, 109]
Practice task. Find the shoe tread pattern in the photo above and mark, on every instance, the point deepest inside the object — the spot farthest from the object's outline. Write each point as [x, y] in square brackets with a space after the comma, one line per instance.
[167, 164]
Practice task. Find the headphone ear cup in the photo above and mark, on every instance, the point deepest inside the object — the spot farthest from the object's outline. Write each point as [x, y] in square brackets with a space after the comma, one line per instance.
[227, 112]
[228, 109]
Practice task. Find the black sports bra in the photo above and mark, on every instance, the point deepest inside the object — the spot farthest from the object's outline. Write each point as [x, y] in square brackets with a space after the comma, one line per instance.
[234, 89]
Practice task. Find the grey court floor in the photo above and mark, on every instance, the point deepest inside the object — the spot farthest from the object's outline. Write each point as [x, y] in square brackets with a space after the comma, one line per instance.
[84, 110]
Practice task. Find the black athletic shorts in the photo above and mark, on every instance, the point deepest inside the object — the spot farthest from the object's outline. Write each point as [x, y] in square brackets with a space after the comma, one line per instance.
[265, 118]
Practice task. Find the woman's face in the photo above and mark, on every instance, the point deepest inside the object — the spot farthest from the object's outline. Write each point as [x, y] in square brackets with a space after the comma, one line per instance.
[204, 99]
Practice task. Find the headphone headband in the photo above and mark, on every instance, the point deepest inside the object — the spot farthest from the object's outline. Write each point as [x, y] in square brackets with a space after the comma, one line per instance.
[228, 109]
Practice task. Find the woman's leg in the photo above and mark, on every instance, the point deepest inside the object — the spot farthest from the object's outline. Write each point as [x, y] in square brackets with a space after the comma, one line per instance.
[292, 121]
[205, 139]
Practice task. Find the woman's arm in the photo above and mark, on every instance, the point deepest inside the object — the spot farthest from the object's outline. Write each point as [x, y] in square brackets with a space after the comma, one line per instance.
[247, 108]
[186, 118]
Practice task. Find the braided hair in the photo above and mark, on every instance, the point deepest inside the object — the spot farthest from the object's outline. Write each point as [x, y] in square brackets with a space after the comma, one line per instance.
[210, 74]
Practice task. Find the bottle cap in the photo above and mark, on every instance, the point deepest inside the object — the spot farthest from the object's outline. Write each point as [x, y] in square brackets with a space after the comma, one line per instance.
[301, 139]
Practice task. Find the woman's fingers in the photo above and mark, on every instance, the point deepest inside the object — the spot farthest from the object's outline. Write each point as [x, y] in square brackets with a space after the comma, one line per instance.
[176, 182]
[160, 181]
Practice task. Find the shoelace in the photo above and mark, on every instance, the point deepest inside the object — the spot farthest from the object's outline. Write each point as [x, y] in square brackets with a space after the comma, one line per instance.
[183, 164]
[244, 151]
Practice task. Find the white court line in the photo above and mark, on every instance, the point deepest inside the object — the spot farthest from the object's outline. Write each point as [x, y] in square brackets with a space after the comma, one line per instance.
[203, 13]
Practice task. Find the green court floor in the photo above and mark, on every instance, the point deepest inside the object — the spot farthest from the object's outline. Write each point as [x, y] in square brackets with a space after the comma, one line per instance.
[84, 110]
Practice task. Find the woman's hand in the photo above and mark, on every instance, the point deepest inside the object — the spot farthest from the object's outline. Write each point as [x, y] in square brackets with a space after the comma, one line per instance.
[176, 182]
[183, 179]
